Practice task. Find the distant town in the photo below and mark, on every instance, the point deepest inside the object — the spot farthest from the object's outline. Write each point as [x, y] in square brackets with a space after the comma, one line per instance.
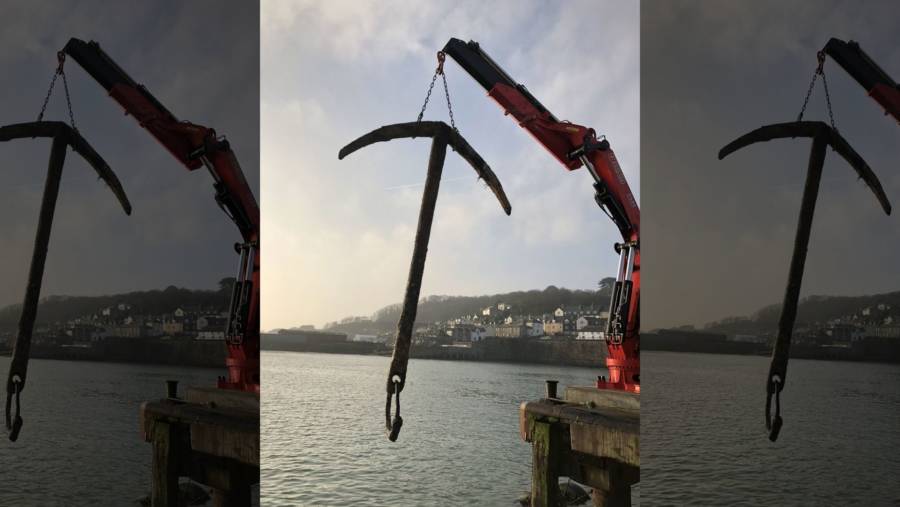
[122, 321]
[500, 320]
[863, 328]
[172, 326]
[534, 330]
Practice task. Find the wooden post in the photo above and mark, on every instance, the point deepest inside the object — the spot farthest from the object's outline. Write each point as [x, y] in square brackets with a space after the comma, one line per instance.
[164, 492]
[545, 465]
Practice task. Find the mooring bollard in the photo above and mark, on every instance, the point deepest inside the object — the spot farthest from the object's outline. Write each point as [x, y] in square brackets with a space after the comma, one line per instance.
[551, 388]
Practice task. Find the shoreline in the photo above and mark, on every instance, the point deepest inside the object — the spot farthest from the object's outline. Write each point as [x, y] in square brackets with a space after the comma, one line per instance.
[171, 352]
[584, 353]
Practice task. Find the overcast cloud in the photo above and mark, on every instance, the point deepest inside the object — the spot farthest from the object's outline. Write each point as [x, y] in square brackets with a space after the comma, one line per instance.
[718, 235]
[202, 62]
[339, 233]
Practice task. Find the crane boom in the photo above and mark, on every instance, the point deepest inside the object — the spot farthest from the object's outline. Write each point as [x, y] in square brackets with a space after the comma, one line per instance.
[196, 146]
[576, 146]
[877, 83]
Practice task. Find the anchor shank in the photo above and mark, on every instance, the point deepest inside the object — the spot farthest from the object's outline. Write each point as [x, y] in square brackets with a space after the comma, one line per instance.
[417, 264]
[781, 350]
[21, 350]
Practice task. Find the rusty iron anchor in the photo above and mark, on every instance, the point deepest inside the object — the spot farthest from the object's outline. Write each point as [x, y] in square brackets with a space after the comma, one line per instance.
[822, 136]
[63, 136]
[442, 135]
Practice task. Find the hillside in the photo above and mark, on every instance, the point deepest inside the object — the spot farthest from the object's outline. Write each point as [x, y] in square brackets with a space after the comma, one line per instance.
[54, 309]
[443, 308]
[815, 309]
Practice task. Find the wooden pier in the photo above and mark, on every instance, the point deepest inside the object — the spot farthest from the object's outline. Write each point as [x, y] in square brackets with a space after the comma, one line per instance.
[591, 436]
[210, 436]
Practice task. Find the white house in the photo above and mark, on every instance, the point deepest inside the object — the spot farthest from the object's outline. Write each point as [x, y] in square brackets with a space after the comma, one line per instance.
[590, 333]
[559, 313]
[465, 331]
[211, 334]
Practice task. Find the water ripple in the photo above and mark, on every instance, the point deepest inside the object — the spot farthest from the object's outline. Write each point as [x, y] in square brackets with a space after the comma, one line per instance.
[704, 440]
[323, 431]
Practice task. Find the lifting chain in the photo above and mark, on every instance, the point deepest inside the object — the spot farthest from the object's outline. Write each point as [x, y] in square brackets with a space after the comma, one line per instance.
[820, 70]
[439, 71]
[61, 58]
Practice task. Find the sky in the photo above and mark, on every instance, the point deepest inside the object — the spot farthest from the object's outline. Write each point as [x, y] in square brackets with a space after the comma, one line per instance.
[718, 235]
[199, 60]
[339, 234]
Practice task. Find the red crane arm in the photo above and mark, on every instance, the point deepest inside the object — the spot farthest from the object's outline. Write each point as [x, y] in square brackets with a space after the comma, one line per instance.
[572, 145]
[879, 85]
[575, 146]
[197, 146]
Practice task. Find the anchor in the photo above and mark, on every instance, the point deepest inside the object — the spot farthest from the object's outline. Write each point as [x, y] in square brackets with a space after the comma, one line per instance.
[822, 136]
[63, 136]
[442, 135]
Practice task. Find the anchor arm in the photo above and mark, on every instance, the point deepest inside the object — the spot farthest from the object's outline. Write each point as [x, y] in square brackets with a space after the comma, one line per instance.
[433, 129]
[56, 129]
[775, 131]
[813, 129]
[843, 148]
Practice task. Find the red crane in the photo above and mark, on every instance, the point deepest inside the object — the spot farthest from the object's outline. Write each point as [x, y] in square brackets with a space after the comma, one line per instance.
[576, 146]
[196, 146]
[879, 85]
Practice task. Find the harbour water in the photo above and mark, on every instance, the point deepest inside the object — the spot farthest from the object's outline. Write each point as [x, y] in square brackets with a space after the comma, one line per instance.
[324, 440]
[703, 437]
[80, 444]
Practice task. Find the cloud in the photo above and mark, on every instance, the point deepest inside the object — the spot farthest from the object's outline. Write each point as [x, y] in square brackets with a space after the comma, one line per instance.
[343, 230]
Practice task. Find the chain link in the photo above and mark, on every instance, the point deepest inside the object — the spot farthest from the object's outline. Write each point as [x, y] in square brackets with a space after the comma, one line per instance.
[828, 102]
[427, 96]
[47, 98]
[808, 93]
[449, 106]
[439, 70]
[61, 57]
[819, 71]
[68, 101]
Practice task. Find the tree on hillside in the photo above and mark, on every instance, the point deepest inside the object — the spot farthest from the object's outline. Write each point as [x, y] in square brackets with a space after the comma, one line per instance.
[606, 283]
[227, 284]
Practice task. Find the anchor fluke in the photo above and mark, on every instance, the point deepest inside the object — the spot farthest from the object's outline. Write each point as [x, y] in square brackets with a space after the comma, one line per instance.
[58, 129]
[433, 129]
[813, 129]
